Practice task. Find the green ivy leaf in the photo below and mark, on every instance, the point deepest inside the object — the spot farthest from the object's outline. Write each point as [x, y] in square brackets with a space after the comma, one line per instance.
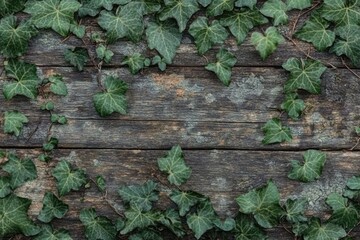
[101, 183]
[92, 7]
[51, 144]
[146, 234]
[275, 132]
[47, 233]
[315, 31]
[135, 62]
[48, 106]
[293, 105]
[180, 10]
[104, 54]
[353, 188]
[113, 99]
[202, 220]
[172, 221]
[14, 122]
[137, 218]
[266, 44]
[77, 57]
[227, 225]
[304, 74]
[311, 169]
[5, 186]
[165, 38]
[246, 229]
[217, 7]
[97, 227]
[67, 178]
[55, 14]
[241, 22]
[348, 44]
[207, 35]
[57, 85]
[140, 195]
[263, 203]
[275, 9]
[344, 213]
[13, 210]
[14, 38]
[204, 3]
[174, 165]
[246, 3]
[326, 231]
[341, 12]
[78, 30]
[144, 7]
[20, 170]
[160, 62]
[185, 200]
[8, 7]
[295, 210]
[127, 22]
[26, 80]
[52, 208]
[357, 130]
[298, 4]
[222, 67]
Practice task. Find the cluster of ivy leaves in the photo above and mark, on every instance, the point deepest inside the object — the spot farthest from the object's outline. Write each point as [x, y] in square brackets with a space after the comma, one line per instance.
[333, 25]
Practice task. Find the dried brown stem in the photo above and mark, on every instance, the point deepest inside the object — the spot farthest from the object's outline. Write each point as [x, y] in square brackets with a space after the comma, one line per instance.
[348, 68]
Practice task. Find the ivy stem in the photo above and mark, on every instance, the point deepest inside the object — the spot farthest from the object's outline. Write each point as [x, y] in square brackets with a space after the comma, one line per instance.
[357, 143]
[348, 68]
[315, 5]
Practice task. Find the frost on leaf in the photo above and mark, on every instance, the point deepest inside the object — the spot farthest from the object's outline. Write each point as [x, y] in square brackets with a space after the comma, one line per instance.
[55, 14]
[266, 44]
[14, 122]
[174, 165]
[223, 66]
[207, 35]
[113, 98]
[275, 132]
[263, 203]
[14, 38]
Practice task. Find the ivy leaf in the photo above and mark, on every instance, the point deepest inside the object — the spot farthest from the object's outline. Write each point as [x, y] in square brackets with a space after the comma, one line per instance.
[113, 99]
[13, 210]
[348, 44]
[246, 229]
[160, 62]
[222, 67]
[5, 186]
[104, 54]
[8, 7]
[127, 22]
[185, 200]
[315, 31]
[263, 203]
[326, 231]
[14, 38]
[55, 14]
[217, 7]
[174, 165]
[357, 130]
[172, 221]
[304, 74]
[14, 122]
[311, 169]
[146, 234]
[181, 10]
[353, 188]
[204, 3]
[47, 233]
[135, 62]
[344, 213]
[137, 218]
[298, 4]
[202, 220]
[140, 195]
[165, 38]
[266, 44]
[77, 57]
[68, 178]
[92, 7]
[26, 80]
[295, 210]
[101, 183]
[341, 12]
[227, 225]
[20, 170]
[52, 207]
[293, 105]
[246, 3]
[298, 228]
[207, 35]
[144, 7]
[241, 22]
[57, 85]
[275, 132]
[275, 9]
[97, 227]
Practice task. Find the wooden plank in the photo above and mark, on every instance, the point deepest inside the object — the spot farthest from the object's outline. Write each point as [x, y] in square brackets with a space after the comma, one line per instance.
[222, 175]
[47, 49]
